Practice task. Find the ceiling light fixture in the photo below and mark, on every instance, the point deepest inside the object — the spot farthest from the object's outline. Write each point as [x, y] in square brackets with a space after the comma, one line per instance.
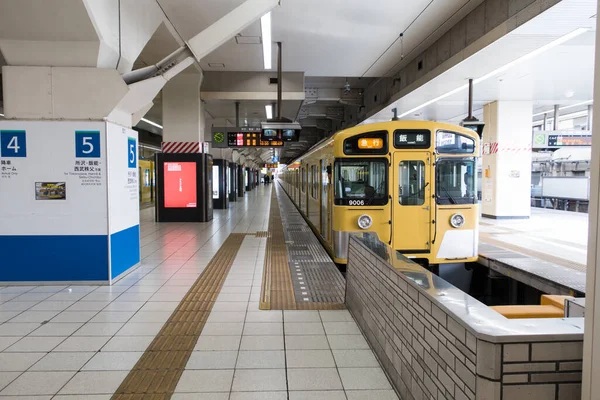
[265, 26]
[269, 111]
[536, 52]
[583, 103]
[548, 46]
[577, 114]
[1, 115]
[152, 123]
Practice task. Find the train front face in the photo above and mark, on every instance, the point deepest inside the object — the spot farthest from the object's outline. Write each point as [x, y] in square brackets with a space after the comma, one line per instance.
[412, 183]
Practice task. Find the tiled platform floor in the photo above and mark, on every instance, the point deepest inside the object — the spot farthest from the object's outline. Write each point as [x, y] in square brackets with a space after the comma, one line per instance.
[80, 342]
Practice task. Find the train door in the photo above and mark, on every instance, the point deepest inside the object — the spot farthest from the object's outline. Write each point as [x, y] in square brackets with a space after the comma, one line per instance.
[412, 202]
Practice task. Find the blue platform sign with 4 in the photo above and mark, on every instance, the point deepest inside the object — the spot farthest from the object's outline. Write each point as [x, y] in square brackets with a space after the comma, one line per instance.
[87, 144]
[13, 143]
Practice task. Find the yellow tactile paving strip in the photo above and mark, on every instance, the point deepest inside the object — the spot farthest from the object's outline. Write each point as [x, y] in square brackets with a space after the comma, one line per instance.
[158, 371]
[486, 238]
[277, 292]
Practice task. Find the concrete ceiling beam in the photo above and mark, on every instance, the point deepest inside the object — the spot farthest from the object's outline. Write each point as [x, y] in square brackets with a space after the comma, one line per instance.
[228, 26]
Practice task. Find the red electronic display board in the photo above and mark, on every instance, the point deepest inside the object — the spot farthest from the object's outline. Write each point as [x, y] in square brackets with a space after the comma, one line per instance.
[180, 184]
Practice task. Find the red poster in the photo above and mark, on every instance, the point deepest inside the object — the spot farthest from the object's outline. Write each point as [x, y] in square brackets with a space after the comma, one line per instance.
[180, 184]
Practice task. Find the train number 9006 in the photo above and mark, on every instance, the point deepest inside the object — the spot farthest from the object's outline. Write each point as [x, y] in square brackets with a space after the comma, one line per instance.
[356, 202]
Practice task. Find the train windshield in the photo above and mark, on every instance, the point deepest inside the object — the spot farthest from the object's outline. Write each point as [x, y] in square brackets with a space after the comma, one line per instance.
[455, 181]
[360, 182]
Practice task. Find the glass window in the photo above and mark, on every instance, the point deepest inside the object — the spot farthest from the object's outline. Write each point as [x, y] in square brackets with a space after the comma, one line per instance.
[360, 182]
[315, 181]
[453, 143]
[303, 180]
[310, 176]
[455, 181]
[411, 183]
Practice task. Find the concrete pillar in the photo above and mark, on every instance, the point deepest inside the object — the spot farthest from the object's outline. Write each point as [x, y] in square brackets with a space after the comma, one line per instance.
[591, 344]
[506, 186]
[183, 113]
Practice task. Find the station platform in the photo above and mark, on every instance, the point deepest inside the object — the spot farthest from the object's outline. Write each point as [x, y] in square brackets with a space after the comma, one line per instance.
[547, 251]
[188, 324]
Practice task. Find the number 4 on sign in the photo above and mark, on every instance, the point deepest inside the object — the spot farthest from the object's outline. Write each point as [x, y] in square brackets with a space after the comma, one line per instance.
[13, 144]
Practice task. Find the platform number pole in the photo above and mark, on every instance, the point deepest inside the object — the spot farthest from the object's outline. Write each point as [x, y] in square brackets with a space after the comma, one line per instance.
[591, 347]
[13, 144]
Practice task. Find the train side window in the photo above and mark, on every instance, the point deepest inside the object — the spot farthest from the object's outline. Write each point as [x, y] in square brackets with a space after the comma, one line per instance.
[302, 180]
[411, 183]
[315, 171]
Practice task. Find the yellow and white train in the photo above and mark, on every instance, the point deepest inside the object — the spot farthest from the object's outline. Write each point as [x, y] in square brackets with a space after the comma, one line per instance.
[412, 183]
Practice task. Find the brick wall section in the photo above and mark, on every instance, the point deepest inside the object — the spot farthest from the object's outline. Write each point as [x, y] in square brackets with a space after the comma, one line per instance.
[428, 354]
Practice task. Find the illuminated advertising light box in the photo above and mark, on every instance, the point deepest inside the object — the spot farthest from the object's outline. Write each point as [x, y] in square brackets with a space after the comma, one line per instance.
[180, 185]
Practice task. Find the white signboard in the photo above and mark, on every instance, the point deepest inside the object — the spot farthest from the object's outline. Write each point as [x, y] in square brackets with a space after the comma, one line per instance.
[52, 152]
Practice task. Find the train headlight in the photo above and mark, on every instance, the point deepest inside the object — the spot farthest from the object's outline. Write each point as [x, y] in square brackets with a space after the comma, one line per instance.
[364, 221]
[457, 220]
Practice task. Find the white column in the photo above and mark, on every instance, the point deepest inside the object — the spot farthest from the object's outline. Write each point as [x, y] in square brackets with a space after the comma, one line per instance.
[591, 345]
[506, 171]
[183, 113]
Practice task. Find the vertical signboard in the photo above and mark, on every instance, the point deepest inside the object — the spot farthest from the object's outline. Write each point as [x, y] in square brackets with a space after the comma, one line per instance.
[123, 198]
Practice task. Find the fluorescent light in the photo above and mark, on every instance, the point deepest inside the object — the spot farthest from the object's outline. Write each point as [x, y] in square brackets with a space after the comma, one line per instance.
[152, 123]
[265, 26]
[269, 111]
[450, 93]
[583, 103]
[1, 115]
[505, 67]
[574, 115]
[534, 53]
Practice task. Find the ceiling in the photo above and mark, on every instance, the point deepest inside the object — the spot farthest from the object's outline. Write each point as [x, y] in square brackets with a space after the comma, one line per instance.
[340, 45]
[251, 112]
[538, 71]
[326, 38]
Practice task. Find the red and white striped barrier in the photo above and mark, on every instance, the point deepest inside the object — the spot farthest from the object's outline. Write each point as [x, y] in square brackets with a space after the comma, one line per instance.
[494, 148]
[181, 147]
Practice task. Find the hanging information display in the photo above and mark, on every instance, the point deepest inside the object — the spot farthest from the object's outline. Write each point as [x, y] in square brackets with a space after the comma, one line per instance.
[247, 137]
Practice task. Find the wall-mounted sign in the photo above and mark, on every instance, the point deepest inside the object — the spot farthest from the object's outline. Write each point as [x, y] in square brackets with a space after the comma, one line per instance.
[50, 190]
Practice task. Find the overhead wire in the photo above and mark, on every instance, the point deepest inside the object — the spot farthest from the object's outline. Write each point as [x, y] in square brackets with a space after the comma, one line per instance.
[400, 36]
[420, 43]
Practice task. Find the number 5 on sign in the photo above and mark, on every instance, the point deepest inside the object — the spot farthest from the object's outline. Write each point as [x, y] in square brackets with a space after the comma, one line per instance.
[13, 144]
[87, 144]
[131, 153]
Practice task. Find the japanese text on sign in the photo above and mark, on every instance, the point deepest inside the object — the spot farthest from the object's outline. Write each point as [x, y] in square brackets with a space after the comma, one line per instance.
[370, 143]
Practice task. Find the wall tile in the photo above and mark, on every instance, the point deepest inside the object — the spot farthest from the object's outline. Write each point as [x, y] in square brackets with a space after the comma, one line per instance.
[516, 352]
